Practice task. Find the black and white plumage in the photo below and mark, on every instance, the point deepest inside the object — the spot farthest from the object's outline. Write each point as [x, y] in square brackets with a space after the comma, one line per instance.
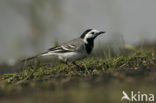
[75, 49]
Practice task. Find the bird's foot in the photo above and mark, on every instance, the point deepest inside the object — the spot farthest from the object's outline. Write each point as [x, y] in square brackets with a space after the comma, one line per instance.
[76, 65]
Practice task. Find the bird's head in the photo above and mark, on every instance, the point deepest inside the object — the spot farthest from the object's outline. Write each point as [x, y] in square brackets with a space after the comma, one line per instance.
[90, 34]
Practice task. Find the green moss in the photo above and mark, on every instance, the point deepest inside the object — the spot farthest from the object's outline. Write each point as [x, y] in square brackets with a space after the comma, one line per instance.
[93, 72]
[137, 59]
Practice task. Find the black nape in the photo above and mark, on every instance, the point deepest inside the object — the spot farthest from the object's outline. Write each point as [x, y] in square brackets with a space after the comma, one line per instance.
[84, 33]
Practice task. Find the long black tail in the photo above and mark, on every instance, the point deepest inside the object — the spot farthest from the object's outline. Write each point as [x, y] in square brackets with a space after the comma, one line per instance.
[27, 59]
[36, 56]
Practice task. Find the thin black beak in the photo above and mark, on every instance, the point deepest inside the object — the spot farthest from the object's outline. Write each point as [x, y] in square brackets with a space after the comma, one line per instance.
[101, 32]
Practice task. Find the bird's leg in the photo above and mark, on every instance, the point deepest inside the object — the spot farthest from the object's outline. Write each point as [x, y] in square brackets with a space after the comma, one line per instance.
[76, 64]
[67, 63]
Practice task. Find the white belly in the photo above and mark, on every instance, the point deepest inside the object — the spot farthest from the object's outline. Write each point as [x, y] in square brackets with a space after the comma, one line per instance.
[72, 56]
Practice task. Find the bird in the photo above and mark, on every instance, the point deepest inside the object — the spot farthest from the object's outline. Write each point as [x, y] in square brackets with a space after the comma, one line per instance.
[73, 50]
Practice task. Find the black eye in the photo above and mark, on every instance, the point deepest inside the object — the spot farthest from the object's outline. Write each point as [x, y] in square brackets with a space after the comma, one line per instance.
[92, 32]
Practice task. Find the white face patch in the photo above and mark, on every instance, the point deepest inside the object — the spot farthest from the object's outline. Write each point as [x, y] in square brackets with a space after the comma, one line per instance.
[90, 34]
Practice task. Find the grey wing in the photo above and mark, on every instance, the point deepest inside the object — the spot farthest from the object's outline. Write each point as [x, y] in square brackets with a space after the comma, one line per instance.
[60, 49]
[71, 46]
[56, 50]
[75, 45]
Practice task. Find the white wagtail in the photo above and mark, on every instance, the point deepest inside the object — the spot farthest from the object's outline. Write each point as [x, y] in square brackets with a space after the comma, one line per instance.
[75, 49]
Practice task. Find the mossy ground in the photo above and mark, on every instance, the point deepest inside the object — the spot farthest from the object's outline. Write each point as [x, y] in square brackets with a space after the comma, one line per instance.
[97, 79]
